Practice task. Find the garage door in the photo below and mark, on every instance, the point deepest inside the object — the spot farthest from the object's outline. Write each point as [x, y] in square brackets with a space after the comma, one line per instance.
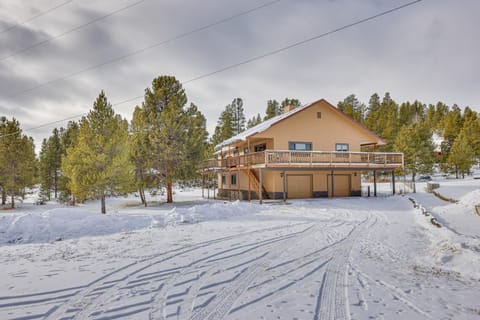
[299, 186]
[341, 185]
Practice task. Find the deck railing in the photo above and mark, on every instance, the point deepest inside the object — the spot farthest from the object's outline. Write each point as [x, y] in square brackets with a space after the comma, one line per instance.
[309, 158]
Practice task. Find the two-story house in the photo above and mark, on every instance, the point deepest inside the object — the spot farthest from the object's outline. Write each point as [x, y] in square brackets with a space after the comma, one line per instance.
[310, 151]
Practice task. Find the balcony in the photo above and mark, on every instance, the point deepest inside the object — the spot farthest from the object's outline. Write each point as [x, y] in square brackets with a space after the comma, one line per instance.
[309, 159]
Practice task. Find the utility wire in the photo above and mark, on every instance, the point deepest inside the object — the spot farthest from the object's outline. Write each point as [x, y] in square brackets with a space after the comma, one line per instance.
[38, 15]
[63, 34]
[141, 50]
[262, 56]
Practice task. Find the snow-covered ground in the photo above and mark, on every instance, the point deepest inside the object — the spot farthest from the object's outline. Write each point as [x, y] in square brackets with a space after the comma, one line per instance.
[356, 258]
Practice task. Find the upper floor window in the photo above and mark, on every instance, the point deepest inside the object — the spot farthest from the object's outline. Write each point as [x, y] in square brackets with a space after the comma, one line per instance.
[260, 147]
[341, 147]
[300, 146]
[233, 179]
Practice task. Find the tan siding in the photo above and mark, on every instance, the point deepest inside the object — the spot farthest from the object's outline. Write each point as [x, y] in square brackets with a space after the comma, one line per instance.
[324, 133]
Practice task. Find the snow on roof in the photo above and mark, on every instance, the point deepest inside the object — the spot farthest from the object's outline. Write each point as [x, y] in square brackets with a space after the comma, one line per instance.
[260, 127]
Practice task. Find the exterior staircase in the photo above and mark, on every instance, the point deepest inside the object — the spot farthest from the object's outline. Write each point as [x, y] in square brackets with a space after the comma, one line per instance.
[256, 183]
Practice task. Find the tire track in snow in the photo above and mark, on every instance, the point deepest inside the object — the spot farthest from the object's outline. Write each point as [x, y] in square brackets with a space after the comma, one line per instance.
[95, 296]
[81, 305]
[333, 300]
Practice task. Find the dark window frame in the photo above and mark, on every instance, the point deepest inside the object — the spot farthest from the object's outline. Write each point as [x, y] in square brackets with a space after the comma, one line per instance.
[292, 146]
[260, 147]
[233, 179]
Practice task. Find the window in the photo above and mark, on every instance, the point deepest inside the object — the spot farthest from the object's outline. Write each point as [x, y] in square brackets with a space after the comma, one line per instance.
[319, 115]
[235, 152]
[260, 147]
[233, 179]
[300, 146]
[224, 179]
[245, 150]
[341, 147]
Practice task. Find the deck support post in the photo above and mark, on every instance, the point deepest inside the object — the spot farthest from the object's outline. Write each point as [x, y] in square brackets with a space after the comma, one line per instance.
[333, 187]
[260, 184]
[284, 175]
[393, 182]
[374, 183]
[214, 186]
[249, 185]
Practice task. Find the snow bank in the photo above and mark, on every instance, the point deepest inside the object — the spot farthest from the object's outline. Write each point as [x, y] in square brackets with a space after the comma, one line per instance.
[206, 212]
[70, 223]
[470, 199]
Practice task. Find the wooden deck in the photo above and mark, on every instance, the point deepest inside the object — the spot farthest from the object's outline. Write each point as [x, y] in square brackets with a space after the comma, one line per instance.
[309, 159]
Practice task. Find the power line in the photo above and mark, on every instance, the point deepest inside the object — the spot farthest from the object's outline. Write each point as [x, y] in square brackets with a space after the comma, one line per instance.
[38, 15]
[63, 34]
[141, 50]
[262, 56]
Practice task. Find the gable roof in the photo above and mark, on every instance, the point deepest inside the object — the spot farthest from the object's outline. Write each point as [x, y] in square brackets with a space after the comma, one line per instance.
[271, 122]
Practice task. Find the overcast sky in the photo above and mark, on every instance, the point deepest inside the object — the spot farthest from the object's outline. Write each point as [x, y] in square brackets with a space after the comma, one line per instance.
[428, 51]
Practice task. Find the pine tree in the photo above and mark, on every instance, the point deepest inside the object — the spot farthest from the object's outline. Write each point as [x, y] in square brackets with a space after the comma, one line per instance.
[175, 135]
[17, 160]
[238, 115]
[353, 107]
[68, 138]
[416, 144]
[373, 113]
[224, 128]
[255, 120]
[461, 157]
[98, 165]
[289, 102]
[273, 109]
[50, 163]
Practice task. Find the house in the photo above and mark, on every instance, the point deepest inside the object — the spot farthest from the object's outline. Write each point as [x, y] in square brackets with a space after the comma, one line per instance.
[307, 152]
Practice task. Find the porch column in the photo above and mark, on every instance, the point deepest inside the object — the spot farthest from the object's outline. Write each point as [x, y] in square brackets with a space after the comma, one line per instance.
[260, 184]
[284, 186]
[393, 181]
[249, 185]
[374, 183]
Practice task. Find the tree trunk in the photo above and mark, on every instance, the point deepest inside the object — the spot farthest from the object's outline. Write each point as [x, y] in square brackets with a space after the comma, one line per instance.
[55, 183]
[169, 192]
[4, 197]
[104, 210]
[142, 196]
[13, 200]
[413, 182]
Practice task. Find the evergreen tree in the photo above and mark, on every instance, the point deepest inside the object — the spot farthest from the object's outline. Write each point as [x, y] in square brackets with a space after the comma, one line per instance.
[237, 115]
[175, 135]
[224, 128]
[17, 160]
[289, 102]
[98, 165]
[415, 141]
[68, 138]
[50, 163]
[273, 109]
[373, 113]
[461, 157]
[255, 120]
[140, 153]
[452, 124]
[352, 107]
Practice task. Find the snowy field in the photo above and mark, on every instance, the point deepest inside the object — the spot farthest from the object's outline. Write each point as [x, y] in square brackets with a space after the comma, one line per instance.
[356, 258]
